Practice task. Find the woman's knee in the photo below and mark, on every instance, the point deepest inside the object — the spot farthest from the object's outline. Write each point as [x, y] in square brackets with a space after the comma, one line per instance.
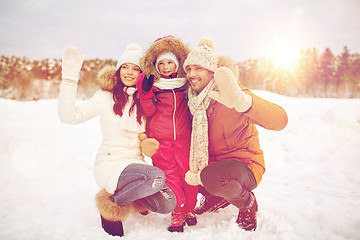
[149, 172]
[157, 177]
[142, 175]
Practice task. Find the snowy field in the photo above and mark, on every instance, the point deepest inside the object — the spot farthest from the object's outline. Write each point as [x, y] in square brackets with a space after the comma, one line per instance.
[311, 189]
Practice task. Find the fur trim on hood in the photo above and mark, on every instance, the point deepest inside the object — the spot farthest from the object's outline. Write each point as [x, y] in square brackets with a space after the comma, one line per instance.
[166, 44]
[105, 78]
[229, 63]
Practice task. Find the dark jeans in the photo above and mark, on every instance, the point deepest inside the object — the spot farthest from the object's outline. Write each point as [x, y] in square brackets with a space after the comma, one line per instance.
[144, 183]
[230, 179]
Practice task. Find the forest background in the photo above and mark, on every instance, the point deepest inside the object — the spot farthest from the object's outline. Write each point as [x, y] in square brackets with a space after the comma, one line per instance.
[314, 74]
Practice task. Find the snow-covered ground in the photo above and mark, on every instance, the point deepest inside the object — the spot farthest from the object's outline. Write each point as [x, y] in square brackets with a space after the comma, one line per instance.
[310, 190]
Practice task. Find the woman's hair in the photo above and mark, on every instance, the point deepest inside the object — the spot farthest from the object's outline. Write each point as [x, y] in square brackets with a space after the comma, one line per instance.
[121, 98]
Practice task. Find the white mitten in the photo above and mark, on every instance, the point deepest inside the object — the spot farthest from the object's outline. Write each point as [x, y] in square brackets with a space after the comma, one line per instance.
[71, 64]
[229, 92]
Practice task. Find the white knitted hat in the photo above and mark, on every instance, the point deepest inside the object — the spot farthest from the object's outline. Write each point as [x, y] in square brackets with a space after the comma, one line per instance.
[204, 55]
[167, 55]
[132, 54]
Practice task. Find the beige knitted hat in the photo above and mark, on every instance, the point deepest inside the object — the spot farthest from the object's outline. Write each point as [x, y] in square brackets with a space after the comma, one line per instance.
[204, 55]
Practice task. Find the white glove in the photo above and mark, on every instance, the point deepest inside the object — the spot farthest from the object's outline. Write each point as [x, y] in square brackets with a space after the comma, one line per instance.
[230, 93]
[71, 64]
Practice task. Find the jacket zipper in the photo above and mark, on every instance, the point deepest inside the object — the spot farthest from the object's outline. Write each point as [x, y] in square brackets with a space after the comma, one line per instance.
[174, 114]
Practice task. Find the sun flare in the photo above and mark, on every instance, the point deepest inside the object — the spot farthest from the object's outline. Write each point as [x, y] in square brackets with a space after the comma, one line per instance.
[285, 54]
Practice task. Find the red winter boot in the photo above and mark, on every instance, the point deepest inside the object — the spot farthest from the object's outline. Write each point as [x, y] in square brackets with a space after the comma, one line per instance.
[177, 220]
[190, 218]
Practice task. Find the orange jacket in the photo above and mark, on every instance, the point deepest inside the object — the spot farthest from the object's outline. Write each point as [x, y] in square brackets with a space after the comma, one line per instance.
[233, 135]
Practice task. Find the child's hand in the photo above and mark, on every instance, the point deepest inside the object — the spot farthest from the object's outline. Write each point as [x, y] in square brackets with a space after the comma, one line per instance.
[144, 85]
[147, 83]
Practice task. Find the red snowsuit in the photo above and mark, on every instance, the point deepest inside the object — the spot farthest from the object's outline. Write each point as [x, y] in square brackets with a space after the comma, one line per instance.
[169, 122]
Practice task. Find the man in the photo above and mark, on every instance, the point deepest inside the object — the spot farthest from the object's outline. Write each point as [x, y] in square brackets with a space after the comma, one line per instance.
[225, 154]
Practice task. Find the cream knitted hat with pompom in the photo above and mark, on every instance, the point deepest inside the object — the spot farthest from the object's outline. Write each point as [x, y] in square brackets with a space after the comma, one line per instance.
[132, 54]
[204, 55]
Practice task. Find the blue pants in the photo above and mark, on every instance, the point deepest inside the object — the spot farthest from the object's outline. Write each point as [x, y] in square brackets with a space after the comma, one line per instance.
[146, 184]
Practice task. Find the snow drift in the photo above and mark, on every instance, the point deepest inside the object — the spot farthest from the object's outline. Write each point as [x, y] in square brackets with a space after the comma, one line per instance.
[309, 191]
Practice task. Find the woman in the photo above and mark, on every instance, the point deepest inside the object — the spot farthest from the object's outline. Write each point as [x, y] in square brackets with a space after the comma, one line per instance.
[127, 183]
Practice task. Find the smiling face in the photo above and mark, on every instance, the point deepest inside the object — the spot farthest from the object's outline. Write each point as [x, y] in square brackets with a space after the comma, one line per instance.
[129, 73]
[198, 77]
[166, 67]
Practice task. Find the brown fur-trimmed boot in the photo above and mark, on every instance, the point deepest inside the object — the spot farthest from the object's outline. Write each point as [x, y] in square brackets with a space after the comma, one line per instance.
[111, 214]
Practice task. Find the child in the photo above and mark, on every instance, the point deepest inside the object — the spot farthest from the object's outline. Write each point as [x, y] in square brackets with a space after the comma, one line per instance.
[164, 99]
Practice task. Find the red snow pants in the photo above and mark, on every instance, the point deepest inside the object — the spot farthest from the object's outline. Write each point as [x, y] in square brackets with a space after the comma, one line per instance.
[173, 158]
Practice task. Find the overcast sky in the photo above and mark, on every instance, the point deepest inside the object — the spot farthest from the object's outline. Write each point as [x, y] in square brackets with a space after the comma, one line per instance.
[242, 29]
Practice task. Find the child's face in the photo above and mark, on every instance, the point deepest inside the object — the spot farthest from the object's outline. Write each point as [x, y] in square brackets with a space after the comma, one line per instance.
[129, 73]
[166, 67]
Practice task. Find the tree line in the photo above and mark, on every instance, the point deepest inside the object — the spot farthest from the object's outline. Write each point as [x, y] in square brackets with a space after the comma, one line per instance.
[25, 79]
[313, 75]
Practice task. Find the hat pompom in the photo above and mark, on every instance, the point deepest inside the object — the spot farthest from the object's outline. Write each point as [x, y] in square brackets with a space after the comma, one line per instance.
[208, 41]
[204, 55]
[193, 178]
[133, 47]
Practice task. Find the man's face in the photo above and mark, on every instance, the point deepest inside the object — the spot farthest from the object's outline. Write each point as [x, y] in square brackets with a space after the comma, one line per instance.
[198, 77]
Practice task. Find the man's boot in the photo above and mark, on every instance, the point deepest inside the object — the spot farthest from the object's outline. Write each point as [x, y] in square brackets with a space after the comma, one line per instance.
[210, 203]
[247, 216]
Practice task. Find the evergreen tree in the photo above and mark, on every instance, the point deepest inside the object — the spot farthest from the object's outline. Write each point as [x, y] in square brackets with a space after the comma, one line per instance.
[326, 70]
[303, 69]
[343, 64]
